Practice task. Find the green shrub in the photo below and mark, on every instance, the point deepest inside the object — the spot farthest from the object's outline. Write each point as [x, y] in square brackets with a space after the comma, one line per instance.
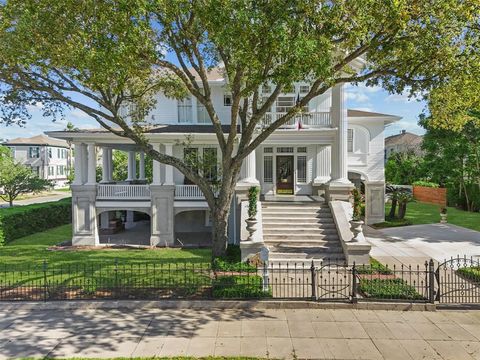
[426, 184]
[375, 267]
[239, 287]
[20, 221]
[395, 289]
[470, 273]
[232, 261]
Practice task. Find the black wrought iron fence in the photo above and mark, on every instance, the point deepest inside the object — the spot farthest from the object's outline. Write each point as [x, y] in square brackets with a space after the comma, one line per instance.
[454, 281]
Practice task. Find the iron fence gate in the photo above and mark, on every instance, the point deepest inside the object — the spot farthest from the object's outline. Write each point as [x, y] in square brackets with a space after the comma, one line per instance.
[458, 281]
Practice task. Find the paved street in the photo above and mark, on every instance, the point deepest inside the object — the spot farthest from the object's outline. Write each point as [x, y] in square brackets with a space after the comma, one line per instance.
[54, 196]
[306, 333]
[411, 245]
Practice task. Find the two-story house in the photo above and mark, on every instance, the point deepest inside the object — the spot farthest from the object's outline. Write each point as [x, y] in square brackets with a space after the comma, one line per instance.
[46, 156]
[316, 158]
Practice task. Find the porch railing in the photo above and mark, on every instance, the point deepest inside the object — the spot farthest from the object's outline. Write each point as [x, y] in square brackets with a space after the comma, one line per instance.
[190, 192]
[319, 119]
[123, 192]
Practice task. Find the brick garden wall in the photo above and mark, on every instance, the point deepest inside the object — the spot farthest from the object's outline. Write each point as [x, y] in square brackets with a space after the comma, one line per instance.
[430, 195]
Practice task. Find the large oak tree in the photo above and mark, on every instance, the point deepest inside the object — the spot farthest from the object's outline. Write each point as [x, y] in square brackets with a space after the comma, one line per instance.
[100, 55]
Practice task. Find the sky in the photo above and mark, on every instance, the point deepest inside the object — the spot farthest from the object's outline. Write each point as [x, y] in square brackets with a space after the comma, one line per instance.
[359, 97]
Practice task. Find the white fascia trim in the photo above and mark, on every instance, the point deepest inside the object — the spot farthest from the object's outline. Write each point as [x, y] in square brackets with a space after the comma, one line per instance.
[385, 119]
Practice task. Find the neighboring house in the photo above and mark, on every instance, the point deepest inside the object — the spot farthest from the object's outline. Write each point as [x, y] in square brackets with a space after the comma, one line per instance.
[403, 142]
[321, 152]
[48, 157]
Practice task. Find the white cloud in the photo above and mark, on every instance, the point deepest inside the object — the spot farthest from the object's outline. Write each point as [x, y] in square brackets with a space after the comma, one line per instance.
[409, 125]
[358, 97]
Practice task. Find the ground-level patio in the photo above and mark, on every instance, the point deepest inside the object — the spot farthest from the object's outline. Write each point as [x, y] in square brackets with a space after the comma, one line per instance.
[82, 331]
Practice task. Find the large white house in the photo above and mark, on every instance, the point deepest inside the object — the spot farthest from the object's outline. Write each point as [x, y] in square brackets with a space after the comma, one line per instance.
[304, 169]
[49, 158]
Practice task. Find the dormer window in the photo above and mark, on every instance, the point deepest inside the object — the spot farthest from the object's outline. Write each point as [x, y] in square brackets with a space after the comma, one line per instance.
[304, 89]
[227, 100]
[266, 89]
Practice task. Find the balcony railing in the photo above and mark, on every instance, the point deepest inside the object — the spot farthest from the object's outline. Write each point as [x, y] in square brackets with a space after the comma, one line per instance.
[188, 192]
[123, 192]
[319, 119]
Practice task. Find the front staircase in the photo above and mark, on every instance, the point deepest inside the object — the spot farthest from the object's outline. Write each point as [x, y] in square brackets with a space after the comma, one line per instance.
[299, 232]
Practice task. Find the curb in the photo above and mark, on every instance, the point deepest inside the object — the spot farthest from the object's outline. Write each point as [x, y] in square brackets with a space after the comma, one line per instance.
[212, 305]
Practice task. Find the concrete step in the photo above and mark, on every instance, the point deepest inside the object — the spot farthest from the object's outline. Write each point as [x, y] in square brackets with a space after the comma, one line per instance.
[307, 236]
[298, 233]
[296, 216]
[314, 244]
[298, 227]
[295, 210]
[305, 256]
[306, 221]
[304, 263]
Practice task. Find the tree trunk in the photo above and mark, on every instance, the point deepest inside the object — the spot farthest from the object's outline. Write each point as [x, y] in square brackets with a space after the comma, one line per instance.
[219, 233]
[402, 209]
[393, 209]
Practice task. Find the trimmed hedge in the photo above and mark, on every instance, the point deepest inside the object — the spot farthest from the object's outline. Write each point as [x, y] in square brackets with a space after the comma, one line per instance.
[426, 184]
[20, 221]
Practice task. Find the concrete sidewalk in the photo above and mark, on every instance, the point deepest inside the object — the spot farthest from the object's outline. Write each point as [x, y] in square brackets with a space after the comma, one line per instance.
[301, 333]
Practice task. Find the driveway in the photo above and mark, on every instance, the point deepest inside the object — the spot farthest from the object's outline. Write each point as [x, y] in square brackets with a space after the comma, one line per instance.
[414, 244]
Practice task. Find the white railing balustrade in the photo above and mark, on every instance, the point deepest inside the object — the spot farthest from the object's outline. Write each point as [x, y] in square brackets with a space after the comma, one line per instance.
[318, 119]
[123, 192]
[191, 192]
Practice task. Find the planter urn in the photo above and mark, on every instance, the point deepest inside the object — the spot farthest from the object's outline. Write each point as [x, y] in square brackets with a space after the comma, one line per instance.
[443, 218]
[251, 228]
[356, 228]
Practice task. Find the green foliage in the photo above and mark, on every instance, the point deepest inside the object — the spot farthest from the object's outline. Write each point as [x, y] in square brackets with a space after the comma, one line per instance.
[452, 158]
[239, 287]
[395, 289]
[21, 221]
[252, 201]
[375, 267]
[16, 178]
[470, 273]
[404, 168]
[426, 184]
[232, 261]
[357, 204]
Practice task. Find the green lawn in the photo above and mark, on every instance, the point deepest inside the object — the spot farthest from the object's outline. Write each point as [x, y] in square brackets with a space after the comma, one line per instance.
[423, 213]
[34, 249]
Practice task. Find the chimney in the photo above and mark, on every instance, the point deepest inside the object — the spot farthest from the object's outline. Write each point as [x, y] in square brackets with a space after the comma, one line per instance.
[404, 131]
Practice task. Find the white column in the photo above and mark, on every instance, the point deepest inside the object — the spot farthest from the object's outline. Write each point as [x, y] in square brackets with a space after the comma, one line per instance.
[141, 170]
[132, 166]
[250, 172]
[169, 168]
[129, 223]
[105, 169]
[110, 165]
[156, 167]
[84, 151]
[104, 220]
[323, 158]
[339, 148]
[92, 164]
[79, 169]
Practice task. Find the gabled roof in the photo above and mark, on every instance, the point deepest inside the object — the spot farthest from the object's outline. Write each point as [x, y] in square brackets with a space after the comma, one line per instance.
[39, 140]
[361, 113]
[404, 138]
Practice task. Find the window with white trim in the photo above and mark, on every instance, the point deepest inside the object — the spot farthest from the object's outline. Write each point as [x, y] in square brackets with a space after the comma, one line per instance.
[210, 165]
[51, 170]
[34, 152]
[184, 108]
[285, 149]
[266, 89]
[284, 104]
[350, 140]
[268, 169]
[301, 169]
[268, 150]
[190, 157]
[227, 100]
[302, 149]
[304, 89]
[49, 152]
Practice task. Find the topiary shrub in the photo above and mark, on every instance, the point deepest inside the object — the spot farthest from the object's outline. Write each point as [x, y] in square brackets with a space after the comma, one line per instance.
[20, 221]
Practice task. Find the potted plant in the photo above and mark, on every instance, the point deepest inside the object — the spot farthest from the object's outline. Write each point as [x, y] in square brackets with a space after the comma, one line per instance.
[356, 222]
[252, 211]
[443, 215]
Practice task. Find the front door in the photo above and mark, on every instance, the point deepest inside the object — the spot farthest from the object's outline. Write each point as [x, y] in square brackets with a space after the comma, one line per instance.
[285, 174]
